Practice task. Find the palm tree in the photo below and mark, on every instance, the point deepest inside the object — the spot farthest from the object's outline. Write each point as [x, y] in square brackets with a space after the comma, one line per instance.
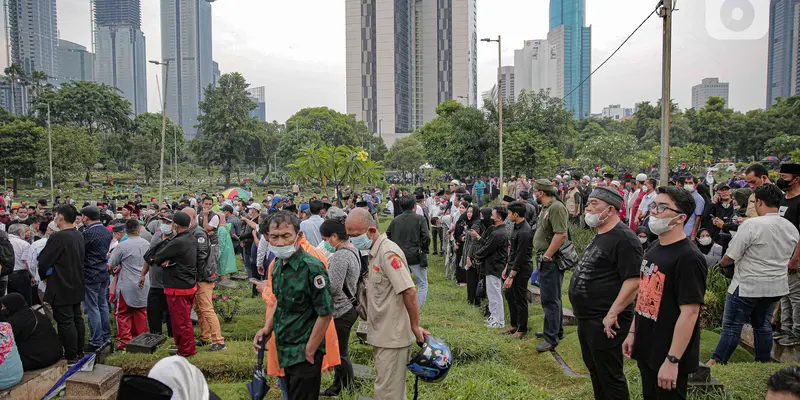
[38, 80]
[14, 74]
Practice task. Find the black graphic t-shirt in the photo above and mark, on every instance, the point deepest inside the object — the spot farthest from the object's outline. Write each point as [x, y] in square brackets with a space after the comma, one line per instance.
[671, 276]
[607, 262]
[790, 210]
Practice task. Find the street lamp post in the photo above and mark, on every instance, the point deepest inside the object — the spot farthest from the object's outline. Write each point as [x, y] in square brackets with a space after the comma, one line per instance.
[499, 102]
[163, 129]
[50, 147]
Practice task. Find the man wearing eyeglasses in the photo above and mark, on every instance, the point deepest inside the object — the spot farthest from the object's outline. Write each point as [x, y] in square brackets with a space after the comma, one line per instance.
[665, 335]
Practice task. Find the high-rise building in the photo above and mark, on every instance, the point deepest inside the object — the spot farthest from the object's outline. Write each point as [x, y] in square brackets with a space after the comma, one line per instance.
[258, 96]
[216, 72]
[615, 111]
[75, 63]
[186, 45]
[5, 94]
[34, 41]
[576, 40]
[710, 87]
[536, 68]
[507, 83]
[405, 57]
[784, 39]
[121, 59]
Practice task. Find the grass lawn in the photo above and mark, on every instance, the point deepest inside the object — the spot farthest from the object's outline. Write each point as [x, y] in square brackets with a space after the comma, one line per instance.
[487, 365]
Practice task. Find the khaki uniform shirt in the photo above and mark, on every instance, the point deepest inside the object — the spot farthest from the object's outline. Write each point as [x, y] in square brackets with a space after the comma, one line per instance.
[388, 325]
[751, 206]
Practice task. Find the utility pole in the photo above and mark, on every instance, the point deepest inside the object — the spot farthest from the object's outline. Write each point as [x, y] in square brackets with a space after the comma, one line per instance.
[666, 100]
[499, 103]
[163, 129]
[175, 131]
[50, 146]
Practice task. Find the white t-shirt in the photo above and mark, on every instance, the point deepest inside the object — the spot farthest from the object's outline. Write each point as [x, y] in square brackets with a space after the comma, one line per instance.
[214, 222]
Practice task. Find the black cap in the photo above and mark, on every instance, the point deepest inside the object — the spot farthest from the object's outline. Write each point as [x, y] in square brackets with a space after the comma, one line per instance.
[723, 187]
[42, 202]
[361, 204]
[789, 168]
[609, 176]
[91, 212]
[420, 196]
[119, 227]
[228, 208]
[292, 208]
[440, 193]
[508, 199]
[182, 219]
[326, 205]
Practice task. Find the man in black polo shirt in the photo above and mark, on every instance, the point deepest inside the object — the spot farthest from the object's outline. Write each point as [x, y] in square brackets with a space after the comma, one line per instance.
[519, 270]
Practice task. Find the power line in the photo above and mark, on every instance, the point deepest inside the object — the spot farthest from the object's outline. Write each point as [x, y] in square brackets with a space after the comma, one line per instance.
[615, 51]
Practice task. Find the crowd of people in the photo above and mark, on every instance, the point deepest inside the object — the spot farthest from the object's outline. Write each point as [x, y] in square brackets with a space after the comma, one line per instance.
[320, 267]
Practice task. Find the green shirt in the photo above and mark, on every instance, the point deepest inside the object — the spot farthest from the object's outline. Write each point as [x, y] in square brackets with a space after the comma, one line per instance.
[553, 219]
[302, 288]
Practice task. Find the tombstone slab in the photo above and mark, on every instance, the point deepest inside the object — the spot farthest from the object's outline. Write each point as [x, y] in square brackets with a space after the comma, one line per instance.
[35, 384]
[361, 332]
[569, 318]
[228, 284]
[94, 384]
[535, 295]
[363, 372]
[146, 343]
[701, 381]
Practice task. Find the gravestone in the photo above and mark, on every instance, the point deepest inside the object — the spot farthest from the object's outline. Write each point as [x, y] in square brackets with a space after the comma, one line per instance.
[363, 372]
[535, 295]
[240, 276]
[569, 318]
[701, 381]
[361, 332]
[101, 384]
[228, 284]
[146, 343]
[35, 384]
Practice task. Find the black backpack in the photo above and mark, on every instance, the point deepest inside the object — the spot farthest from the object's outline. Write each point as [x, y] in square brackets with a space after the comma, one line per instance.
[6, 255]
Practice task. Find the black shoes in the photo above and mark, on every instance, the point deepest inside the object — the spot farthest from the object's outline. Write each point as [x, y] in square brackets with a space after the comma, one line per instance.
[540, 335]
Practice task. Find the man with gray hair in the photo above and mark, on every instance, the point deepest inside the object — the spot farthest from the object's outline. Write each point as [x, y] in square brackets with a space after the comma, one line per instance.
[20, 279]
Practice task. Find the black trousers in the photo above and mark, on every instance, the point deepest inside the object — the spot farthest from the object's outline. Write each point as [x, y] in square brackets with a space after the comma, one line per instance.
[437, 240]
[303, 379]
[651, 391]
[518, 302]
[461, 275]
[3, 285]
[20, 282]
[71, 329]
[343, 374]
[603, 358]
[472, 286]
[157, 312]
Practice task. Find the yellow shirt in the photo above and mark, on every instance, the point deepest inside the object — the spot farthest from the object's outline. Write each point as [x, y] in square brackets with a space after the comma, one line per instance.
[388, 325]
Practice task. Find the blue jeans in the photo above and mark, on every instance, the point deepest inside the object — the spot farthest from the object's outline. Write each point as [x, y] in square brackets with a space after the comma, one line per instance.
[421, 277]
[550, 281]
[95, 306]
[738, 311]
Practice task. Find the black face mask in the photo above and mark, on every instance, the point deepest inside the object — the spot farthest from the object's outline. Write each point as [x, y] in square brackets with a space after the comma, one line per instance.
[783, 183]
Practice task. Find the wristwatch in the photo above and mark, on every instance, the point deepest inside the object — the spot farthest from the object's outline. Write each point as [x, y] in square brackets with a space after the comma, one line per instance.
[546, 258]
[673, 359]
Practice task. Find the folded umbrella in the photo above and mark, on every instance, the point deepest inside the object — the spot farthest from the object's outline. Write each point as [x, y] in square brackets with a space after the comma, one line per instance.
[258, 387]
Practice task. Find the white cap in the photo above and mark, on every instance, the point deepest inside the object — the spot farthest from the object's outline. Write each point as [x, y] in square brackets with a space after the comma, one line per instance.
[615, 183]
[257, 206]
[52, 226]
[558, 177]
[586, 177]
[455, 182]
[641, 177]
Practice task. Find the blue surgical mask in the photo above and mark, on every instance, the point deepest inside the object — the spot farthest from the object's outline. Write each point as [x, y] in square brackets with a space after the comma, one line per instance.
[283, 252]
[166, 229]
[362, 242]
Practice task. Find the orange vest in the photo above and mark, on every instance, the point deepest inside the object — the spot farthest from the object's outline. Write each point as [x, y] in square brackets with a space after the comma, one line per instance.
[331, 358]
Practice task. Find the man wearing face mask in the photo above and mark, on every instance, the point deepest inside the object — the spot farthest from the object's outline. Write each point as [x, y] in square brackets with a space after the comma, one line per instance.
[602, 289]
[304, 310]
[789, 209]
[755, 175]
[722, 214]
[157, 310]
[665, 336]
[694, 219]
[392, 307]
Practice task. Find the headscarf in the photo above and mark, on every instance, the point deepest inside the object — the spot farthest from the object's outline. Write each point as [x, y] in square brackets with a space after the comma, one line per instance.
[643, 229]
[704, 249]
[486, 217]
[20, 316]
[185, 380]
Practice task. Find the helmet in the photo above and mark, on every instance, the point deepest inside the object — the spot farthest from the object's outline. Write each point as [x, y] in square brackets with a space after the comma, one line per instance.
[641, 177]
[433, 361]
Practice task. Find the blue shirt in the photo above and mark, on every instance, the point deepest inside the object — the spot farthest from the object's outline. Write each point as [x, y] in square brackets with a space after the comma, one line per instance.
[479, 188]
[700, 205]
[98, 241]
[310, 229]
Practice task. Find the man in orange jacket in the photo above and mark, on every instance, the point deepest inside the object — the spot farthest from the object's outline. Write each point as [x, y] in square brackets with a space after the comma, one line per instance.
[331, 354]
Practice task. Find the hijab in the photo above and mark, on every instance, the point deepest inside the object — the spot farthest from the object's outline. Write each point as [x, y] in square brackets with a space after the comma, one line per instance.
[643, 229]
[185, 380]
[704, 249]
[486, 218]
[20, 316]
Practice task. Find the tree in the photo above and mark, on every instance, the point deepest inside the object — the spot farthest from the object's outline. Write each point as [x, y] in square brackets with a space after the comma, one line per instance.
[15, 75]
[782, 145]
[340, 165]
[224, 124]
[74, 152]
[18, 152]
[528, 152]
[406, 155]
[146, 142]
[610, 150]
[92, 106]
[334, 128]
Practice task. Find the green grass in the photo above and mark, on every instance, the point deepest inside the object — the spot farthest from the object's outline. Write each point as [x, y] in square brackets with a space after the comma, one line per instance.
[487, 365]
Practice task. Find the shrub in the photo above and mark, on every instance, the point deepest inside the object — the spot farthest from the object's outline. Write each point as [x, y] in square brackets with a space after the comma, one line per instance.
[225, 306]
[716, 293]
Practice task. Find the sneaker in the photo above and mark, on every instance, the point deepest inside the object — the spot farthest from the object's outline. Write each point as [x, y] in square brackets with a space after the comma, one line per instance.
[495, 325]
[519, 335]
[540, 335]
[510, 331]
[201, 343]
[218, 347]
[778, 335]
[789, 341]
[545, 347]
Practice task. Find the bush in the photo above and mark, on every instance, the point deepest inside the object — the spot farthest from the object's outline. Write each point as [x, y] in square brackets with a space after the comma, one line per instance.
[716, 292]
[225, 306]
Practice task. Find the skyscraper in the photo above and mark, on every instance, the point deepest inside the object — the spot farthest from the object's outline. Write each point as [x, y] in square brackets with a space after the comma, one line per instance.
[710, 87]
[508, 81]
[577, 53]
[121, 60]
[216, 73]
[186, 45]
[258, 96]
[535, 68]
[782, 63]
[75, 63]
[405, 57]
[34, 41]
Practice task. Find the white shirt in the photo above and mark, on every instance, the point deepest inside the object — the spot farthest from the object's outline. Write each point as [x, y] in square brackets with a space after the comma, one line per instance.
[20, 249]
[419, 210]
[213, 222]
[434, 210]
[762, 249]
[32, 255]
[390, 206]
[644, 206]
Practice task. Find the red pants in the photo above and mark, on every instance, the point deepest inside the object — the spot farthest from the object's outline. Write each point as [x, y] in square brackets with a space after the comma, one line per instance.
[131, 321]
[180, 313]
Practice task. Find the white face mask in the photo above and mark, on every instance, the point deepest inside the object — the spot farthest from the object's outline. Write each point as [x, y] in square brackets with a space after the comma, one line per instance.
[705, 240]
[689, 187]
[643, 240]
[660, 226]
[593, 220]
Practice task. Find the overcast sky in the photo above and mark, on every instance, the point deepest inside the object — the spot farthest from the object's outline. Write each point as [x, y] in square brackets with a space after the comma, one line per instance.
[297, 48]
